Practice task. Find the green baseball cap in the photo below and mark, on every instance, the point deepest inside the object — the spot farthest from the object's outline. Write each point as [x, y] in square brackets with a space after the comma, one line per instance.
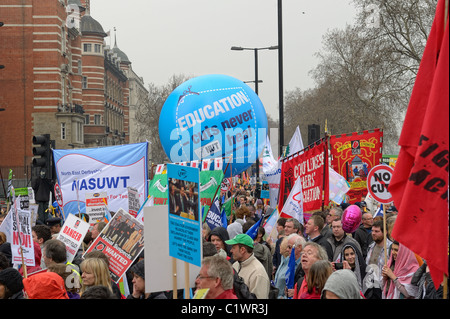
[242, 239]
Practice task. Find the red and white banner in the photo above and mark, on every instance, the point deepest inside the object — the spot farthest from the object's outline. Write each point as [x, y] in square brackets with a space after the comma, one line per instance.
[312, 167]
[293, 207]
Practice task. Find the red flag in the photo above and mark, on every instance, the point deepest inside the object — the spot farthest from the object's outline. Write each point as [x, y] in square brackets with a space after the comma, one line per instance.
[419, 184]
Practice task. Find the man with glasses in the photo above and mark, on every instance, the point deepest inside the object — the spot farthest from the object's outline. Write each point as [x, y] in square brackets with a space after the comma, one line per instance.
[216, 274]
[333, 214]
[363, 235]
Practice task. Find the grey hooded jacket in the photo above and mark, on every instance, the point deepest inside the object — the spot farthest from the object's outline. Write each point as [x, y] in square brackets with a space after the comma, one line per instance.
[344, 284]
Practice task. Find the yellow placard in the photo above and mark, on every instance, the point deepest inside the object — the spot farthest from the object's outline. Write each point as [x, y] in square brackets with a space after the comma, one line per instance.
[201, 293]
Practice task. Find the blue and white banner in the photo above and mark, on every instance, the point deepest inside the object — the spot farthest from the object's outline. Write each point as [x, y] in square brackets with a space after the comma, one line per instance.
[214, 216]
[108, 169]
[379, 212]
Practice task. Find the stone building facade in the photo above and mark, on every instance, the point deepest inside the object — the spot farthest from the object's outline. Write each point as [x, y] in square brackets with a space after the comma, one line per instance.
[60, 78]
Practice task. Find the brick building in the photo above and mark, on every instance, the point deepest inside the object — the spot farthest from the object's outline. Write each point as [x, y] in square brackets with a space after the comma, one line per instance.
[59, 79]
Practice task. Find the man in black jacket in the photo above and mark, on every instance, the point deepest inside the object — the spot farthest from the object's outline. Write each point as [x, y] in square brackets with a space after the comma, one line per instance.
[312, 230]
[363, 235]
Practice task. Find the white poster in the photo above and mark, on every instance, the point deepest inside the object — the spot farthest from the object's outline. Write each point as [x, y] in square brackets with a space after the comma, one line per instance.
[133, 201]
[22, 239]
[159, 268]
[96, 206]
[72, 234]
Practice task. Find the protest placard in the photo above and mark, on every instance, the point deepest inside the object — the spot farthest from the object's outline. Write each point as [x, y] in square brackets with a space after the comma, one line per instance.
[22, 247]
[95, 206]
[160, 275]
[122, 240]
[378, 182]
[185, 240]
[72, 234]
[133, 201]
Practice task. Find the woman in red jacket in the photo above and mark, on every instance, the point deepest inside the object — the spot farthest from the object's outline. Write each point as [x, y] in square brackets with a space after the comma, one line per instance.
[317, 277]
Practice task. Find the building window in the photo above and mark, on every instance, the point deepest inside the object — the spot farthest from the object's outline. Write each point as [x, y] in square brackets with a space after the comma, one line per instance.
[63, 40]
[85, 82]
[87, 47]
[98, 48]
[80, 65]
[63, 131]
[97, 119]
[63, 90]
[86, 119]
[79, 132]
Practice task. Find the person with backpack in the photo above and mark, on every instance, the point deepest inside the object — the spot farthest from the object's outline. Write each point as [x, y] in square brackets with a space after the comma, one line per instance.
[248, 267]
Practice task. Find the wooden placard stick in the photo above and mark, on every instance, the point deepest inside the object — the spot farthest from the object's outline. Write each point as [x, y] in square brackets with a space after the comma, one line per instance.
[174, 276]
[187, 289]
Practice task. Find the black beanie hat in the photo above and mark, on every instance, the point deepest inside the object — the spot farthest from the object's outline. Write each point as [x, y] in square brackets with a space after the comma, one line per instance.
[138, 269]
[11, 279]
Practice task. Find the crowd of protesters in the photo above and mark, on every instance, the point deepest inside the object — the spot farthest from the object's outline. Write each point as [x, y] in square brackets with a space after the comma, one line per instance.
[313, 259]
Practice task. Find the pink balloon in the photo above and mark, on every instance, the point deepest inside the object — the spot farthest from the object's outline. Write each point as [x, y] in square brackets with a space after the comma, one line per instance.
[351, 218]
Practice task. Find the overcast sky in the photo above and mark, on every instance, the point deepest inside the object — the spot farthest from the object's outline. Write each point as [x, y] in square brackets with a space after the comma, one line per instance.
[193, 37]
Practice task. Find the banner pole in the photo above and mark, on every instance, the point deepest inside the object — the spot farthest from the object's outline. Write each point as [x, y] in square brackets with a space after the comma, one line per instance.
[445, 290]
[24, 265]
[325, 171]
[385, 235]
[78, 199]
[145, 202]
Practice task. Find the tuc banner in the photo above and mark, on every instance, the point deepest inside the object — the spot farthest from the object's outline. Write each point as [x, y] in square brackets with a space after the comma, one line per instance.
[109, 169]
[353, 156]
[310, 166]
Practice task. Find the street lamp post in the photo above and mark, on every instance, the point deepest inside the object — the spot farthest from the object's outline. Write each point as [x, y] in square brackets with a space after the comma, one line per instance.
[280, 77]
[256, 83]
[256, 61]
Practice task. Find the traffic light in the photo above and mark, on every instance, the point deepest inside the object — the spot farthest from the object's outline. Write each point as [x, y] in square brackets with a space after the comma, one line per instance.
[43, 149]
[313, 133]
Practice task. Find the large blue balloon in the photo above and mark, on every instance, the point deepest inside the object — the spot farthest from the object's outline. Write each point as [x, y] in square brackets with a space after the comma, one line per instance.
[213, 116]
